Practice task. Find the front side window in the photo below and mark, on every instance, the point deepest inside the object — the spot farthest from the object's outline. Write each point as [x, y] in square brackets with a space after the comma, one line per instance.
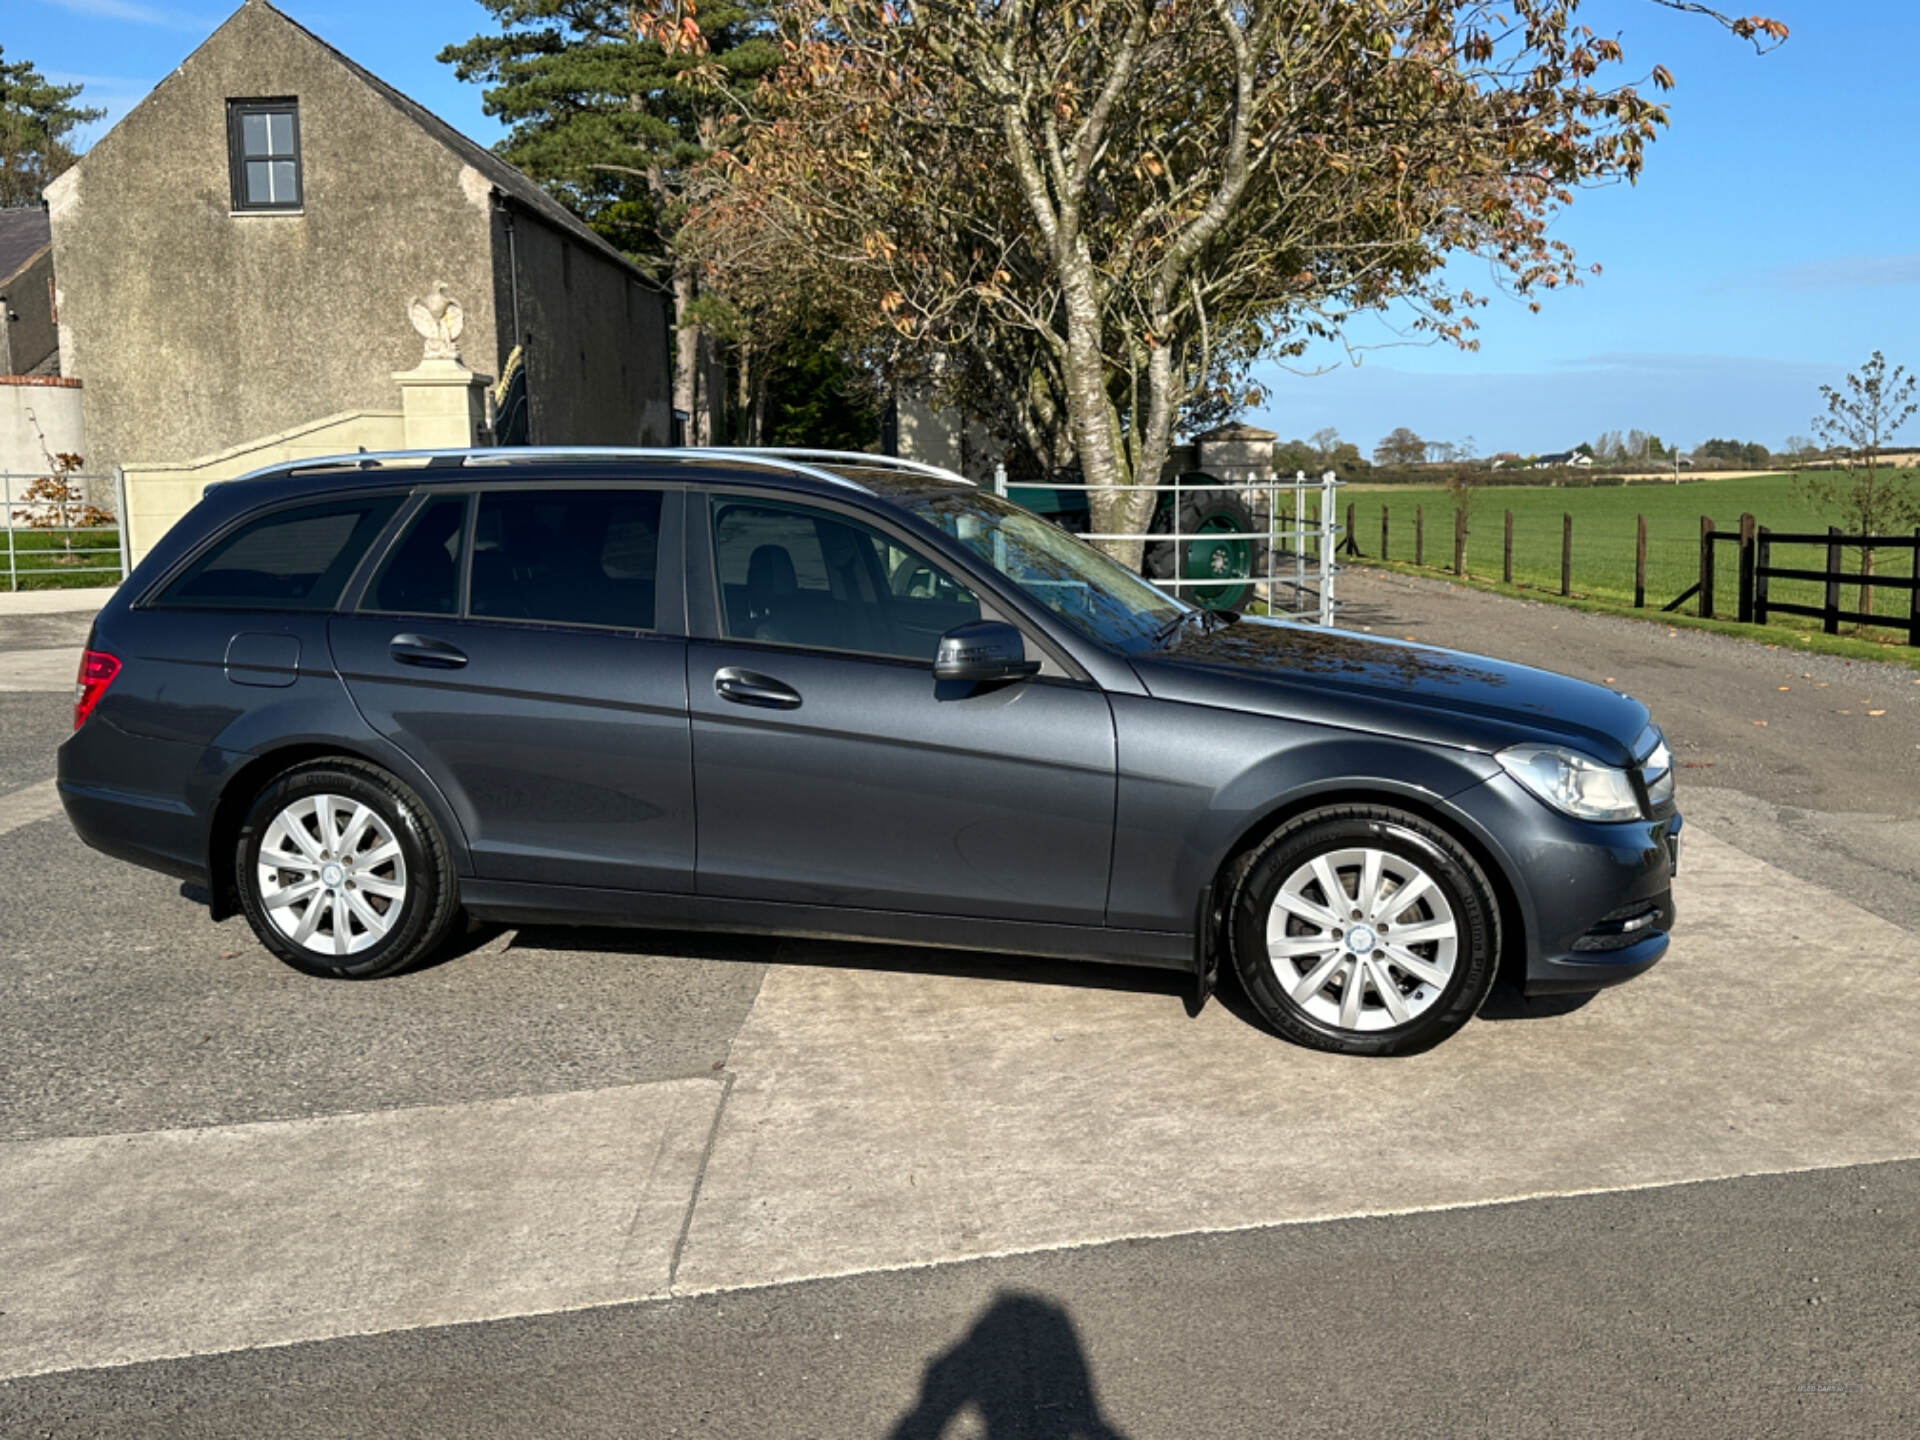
[790, 575]
[294, 559]
[1094, 594]
[263, 149]
[567, 557]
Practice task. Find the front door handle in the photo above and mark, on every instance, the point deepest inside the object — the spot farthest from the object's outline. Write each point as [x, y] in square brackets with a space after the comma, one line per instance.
[745, 687]
[425, 650]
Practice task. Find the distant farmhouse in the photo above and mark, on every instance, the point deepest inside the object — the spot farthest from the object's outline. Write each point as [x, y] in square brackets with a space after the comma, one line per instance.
[1564, 459]
[236, 259]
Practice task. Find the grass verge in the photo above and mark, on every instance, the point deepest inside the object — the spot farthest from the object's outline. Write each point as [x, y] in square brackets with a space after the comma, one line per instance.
[43, 560]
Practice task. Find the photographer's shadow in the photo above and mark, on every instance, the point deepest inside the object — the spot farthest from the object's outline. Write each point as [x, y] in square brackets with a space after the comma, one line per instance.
[1021, 1369]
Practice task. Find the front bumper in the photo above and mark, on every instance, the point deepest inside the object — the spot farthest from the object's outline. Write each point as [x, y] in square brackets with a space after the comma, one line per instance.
[1595, 900]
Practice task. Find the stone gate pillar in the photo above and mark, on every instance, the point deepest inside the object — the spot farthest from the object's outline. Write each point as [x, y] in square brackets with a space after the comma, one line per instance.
[442, 405]
[442, 402]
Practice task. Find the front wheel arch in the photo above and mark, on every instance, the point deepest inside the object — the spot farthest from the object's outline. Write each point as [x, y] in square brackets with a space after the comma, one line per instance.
[1232, 870]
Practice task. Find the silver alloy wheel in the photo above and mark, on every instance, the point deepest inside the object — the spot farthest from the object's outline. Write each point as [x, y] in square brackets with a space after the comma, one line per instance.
[331, 875]
[1362, 939]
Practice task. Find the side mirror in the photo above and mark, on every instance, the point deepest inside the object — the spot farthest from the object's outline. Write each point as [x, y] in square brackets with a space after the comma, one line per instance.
[983, 651]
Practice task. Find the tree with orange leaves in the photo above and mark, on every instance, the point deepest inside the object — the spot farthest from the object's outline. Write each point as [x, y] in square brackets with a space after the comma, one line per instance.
[1087, 219]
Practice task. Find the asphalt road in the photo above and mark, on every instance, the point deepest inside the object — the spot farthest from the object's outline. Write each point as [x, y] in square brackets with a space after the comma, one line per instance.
[1770, 1304]
[1781, 1305]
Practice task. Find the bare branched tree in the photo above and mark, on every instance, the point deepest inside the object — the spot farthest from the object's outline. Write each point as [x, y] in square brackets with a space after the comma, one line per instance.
[1865, 495]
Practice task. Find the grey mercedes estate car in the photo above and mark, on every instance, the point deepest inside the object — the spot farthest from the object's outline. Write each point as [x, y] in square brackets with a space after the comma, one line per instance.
[357, 700]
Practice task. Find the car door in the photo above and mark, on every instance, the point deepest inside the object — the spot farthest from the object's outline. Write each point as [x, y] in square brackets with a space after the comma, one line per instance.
[830, 766]
[525, 646]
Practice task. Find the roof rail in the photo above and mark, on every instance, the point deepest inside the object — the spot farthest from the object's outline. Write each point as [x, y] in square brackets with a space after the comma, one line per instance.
[789, 462]
[856, 457]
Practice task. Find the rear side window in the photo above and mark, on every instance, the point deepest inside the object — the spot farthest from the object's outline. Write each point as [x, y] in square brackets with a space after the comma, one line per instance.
[295, 559]
[421, 576]
[567, 557]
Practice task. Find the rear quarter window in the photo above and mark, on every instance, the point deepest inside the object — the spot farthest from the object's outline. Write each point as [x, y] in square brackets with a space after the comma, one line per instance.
[292, 559]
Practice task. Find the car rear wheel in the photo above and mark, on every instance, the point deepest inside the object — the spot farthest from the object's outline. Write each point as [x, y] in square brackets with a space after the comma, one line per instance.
[1366, 931]
[342, 872]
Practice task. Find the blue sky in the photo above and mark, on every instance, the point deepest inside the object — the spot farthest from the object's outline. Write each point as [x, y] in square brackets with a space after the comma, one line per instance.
[1773, 244]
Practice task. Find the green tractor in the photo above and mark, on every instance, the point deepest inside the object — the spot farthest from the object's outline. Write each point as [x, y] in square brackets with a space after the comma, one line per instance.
[1228, 551]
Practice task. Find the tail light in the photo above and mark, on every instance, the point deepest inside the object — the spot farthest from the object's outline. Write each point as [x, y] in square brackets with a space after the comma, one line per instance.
[97, 672]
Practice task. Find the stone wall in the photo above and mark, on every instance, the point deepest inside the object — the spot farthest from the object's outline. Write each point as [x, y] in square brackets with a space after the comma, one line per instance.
[596, 341]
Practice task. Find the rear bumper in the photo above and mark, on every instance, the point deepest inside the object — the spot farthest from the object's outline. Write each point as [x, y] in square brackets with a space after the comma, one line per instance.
[138, 829]
[104, 777]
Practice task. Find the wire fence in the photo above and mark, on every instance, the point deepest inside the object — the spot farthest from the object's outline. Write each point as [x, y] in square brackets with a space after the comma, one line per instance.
[62, 531]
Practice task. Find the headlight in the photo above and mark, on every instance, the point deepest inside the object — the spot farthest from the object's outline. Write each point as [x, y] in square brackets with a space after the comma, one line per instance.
[1572, 783]
[1657, 771]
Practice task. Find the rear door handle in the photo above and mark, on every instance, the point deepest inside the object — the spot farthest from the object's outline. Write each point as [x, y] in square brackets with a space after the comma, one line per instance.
[745, 687]
[425, 650]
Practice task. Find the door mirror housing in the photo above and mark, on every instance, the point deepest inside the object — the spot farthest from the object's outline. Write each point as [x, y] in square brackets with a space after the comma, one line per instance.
[983, 651]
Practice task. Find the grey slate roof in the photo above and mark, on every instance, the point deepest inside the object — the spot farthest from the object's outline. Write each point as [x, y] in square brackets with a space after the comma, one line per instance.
[24, 233]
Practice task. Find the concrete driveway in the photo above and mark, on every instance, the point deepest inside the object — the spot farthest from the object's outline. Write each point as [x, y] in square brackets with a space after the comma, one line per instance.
[203, 1154]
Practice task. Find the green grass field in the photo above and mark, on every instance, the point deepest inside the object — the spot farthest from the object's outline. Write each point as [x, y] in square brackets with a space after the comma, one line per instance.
[1604, 520]
[41, 559]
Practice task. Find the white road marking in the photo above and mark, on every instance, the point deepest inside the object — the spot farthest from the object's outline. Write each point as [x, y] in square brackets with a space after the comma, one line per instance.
[23, 807]
[892, 1119]
[50, 671]
[122, 1248]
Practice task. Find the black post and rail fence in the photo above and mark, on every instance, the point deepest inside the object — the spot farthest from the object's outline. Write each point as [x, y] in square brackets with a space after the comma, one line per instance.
[1775, 573]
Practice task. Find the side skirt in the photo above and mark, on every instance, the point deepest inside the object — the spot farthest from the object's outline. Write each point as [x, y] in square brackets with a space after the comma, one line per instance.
[513, 902]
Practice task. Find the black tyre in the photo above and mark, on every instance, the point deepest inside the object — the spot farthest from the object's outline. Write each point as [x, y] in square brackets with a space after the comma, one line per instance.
[1229, 550]
[1364, 930]
[342, 872]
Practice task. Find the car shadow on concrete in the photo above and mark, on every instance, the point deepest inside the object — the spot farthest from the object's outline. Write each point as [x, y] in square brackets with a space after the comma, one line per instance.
[1020, 1371]
[857, 955]
[1505, 1002]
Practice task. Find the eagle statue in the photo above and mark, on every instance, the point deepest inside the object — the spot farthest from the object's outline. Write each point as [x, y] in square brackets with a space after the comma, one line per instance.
[439, 320]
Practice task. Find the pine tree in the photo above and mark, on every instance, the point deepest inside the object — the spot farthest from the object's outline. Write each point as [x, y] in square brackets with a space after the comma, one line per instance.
[36, 117]
[616, 123]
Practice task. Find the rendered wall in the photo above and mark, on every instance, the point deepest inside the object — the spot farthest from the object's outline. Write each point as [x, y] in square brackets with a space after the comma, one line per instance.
[31, 407]
[159, 494]
[196, 328]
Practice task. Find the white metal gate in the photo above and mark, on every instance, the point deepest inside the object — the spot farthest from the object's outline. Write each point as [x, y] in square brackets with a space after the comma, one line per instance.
[1299, 520]
[62, 531]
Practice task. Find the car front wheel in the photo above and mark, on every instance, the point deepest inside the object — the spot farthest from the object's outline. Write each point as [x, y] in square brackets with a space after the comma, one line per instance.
[342, 872]
[1365, 930]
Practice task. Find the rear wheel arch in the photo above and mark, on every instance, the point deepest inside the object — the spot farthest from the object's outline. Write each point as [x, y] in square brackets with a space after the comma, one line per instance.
[245, 784]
